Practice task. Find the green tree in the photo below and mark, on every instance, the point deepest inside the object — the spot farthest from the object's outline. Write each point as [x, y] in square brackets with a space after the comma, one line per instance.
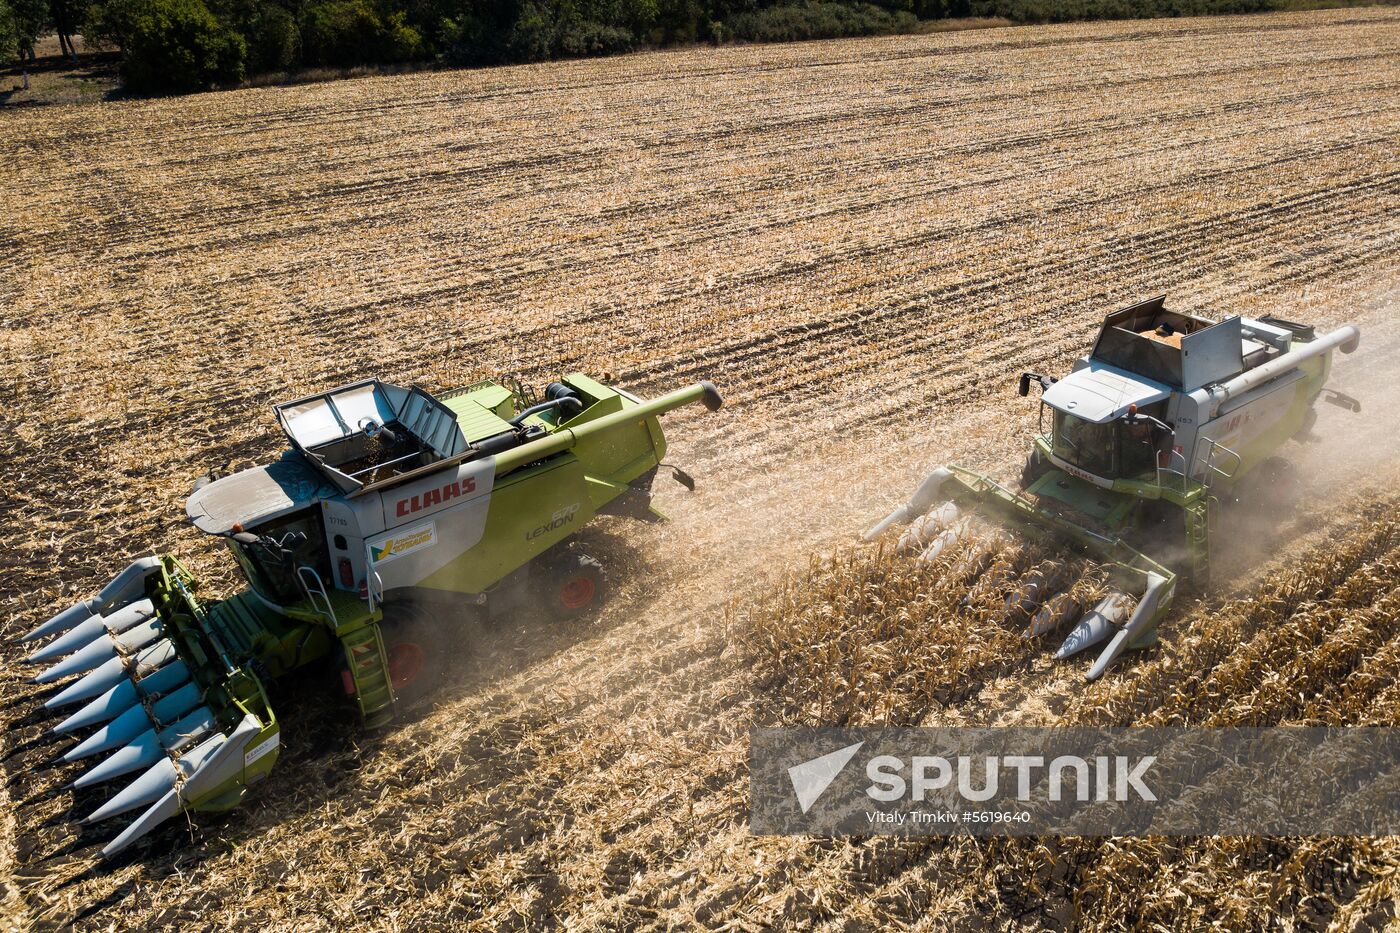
[269, 29]
[533, 35]
[274, 41]
[475, 32]
[170, 45]
[9, 35]
[23, 22]
[31, 21]
[65, 15]
[344, 33]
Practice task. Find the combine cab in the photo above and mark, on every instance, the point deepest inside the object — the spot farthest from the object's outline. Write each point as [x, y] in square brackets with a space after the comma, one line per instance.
[394, 517]
[1168, 419]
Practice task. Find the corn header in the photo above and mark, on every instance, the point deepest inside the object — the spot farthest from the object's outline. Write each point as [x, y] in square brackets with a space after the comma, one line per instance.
[394, 521]
[1168, 421]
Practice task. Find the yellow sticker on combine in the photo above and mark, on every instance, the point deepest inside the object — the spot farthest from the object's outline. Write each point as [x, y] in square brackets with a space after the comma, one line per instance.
[404, 542]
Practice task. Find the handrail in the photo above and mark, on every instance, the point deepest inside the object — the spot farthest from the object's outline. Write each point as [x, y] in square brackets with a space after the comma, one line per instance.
[371, 594]
[1174, 456]
[302, 571]
[1210, 464]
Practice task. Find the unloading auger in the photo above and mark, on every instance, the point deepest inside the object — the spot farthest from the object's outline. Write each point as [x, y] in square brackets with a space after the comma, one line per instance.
[394, 519]
[1151, 435]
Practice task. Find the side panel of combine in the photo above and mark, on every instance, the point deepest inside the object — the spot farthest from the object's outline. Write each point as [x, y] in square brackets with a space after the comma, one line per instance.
[616, 457]
[432, 523]
[348, 522]
[1257, 424]
[536, 507]
[532, 510]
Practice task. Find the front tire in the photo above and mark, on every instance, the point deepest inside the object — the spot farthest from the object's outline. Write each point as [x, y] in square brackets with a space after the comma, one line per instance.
[1036, 467]
[417, 648]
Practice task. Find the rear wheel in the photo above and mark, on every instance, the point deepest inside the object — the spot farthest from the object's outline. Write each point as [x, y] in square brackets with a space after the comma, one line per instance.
[407, 659]
[576, 584]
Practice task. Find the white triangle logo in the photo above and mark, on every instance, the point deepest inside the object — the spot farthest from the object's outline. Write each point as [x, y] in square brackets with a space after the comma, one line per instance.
[811, 778]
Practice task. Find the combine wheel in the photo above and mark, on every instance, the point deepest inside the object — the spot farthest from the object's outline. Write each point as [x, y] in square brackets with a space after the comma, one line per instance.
[1270, 489]
[1273, 487]
[1036, 467]
[576, 584]
[417, 645]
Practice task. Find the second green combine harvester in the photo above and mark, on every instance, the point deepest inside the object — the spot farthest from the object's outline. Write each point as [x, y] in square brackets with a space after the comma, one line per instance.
[393, 514]
[1150, 437]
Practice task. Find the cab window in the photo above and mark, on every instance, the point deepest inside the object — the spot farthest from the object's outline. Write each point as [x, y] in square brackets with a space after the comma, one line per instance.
[1121, 448]
[273, 575]
[1089, 446]
[1138, 448]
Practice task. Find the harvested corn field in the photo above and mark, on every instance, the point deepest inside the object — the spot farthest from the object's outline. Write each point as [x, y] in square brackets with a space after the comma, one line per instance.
[862, 243]
[881, 637]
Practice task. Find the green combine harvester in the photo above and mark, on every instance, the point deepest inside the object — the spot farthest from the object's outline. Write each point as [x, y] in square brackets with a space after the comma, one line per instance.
[1166, 422]
[394, 517]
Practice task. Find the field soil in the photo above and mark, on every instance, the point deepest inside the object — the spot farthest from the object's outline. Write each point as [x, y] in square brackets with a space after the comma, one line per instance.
[863, 243]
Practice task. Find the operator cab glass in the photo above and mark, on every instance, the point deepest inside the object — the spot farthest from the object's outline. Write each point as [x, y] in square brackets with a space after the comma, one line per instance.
[273, 575]
[1091, 447]
[1119, 449]
[1138, 447]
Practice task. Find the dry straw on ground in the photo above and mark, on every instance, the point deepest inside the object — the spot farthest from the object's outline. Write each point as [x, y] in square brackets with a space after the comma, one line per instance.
[874, 636]
[863, 243]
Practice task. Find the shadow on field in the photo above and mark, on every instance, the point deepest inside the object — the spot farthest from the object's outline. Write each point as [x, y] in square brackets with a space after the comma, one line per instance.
[57, 79]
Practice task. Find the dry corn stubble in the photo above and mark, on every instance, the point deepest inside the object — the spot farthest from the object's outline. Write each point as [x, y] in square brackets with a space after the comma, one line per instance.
[1311, 646]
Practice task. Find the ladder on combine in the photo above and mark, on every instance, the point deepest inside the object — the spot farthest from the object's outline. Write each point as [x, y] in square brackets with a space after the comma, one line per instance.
[1196, 501]
[355, 624]
[369, 674]
[1198, 535]
[1220, 464]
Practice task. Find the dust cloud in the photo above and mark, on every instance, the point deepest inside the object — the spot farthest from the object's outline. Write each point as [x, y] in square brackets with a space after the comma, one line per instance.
[1350, 460]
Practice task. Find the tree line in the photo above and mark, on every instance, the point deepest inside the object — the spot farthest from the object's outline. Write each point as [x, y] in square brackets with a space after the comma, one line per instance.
[188, 45]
